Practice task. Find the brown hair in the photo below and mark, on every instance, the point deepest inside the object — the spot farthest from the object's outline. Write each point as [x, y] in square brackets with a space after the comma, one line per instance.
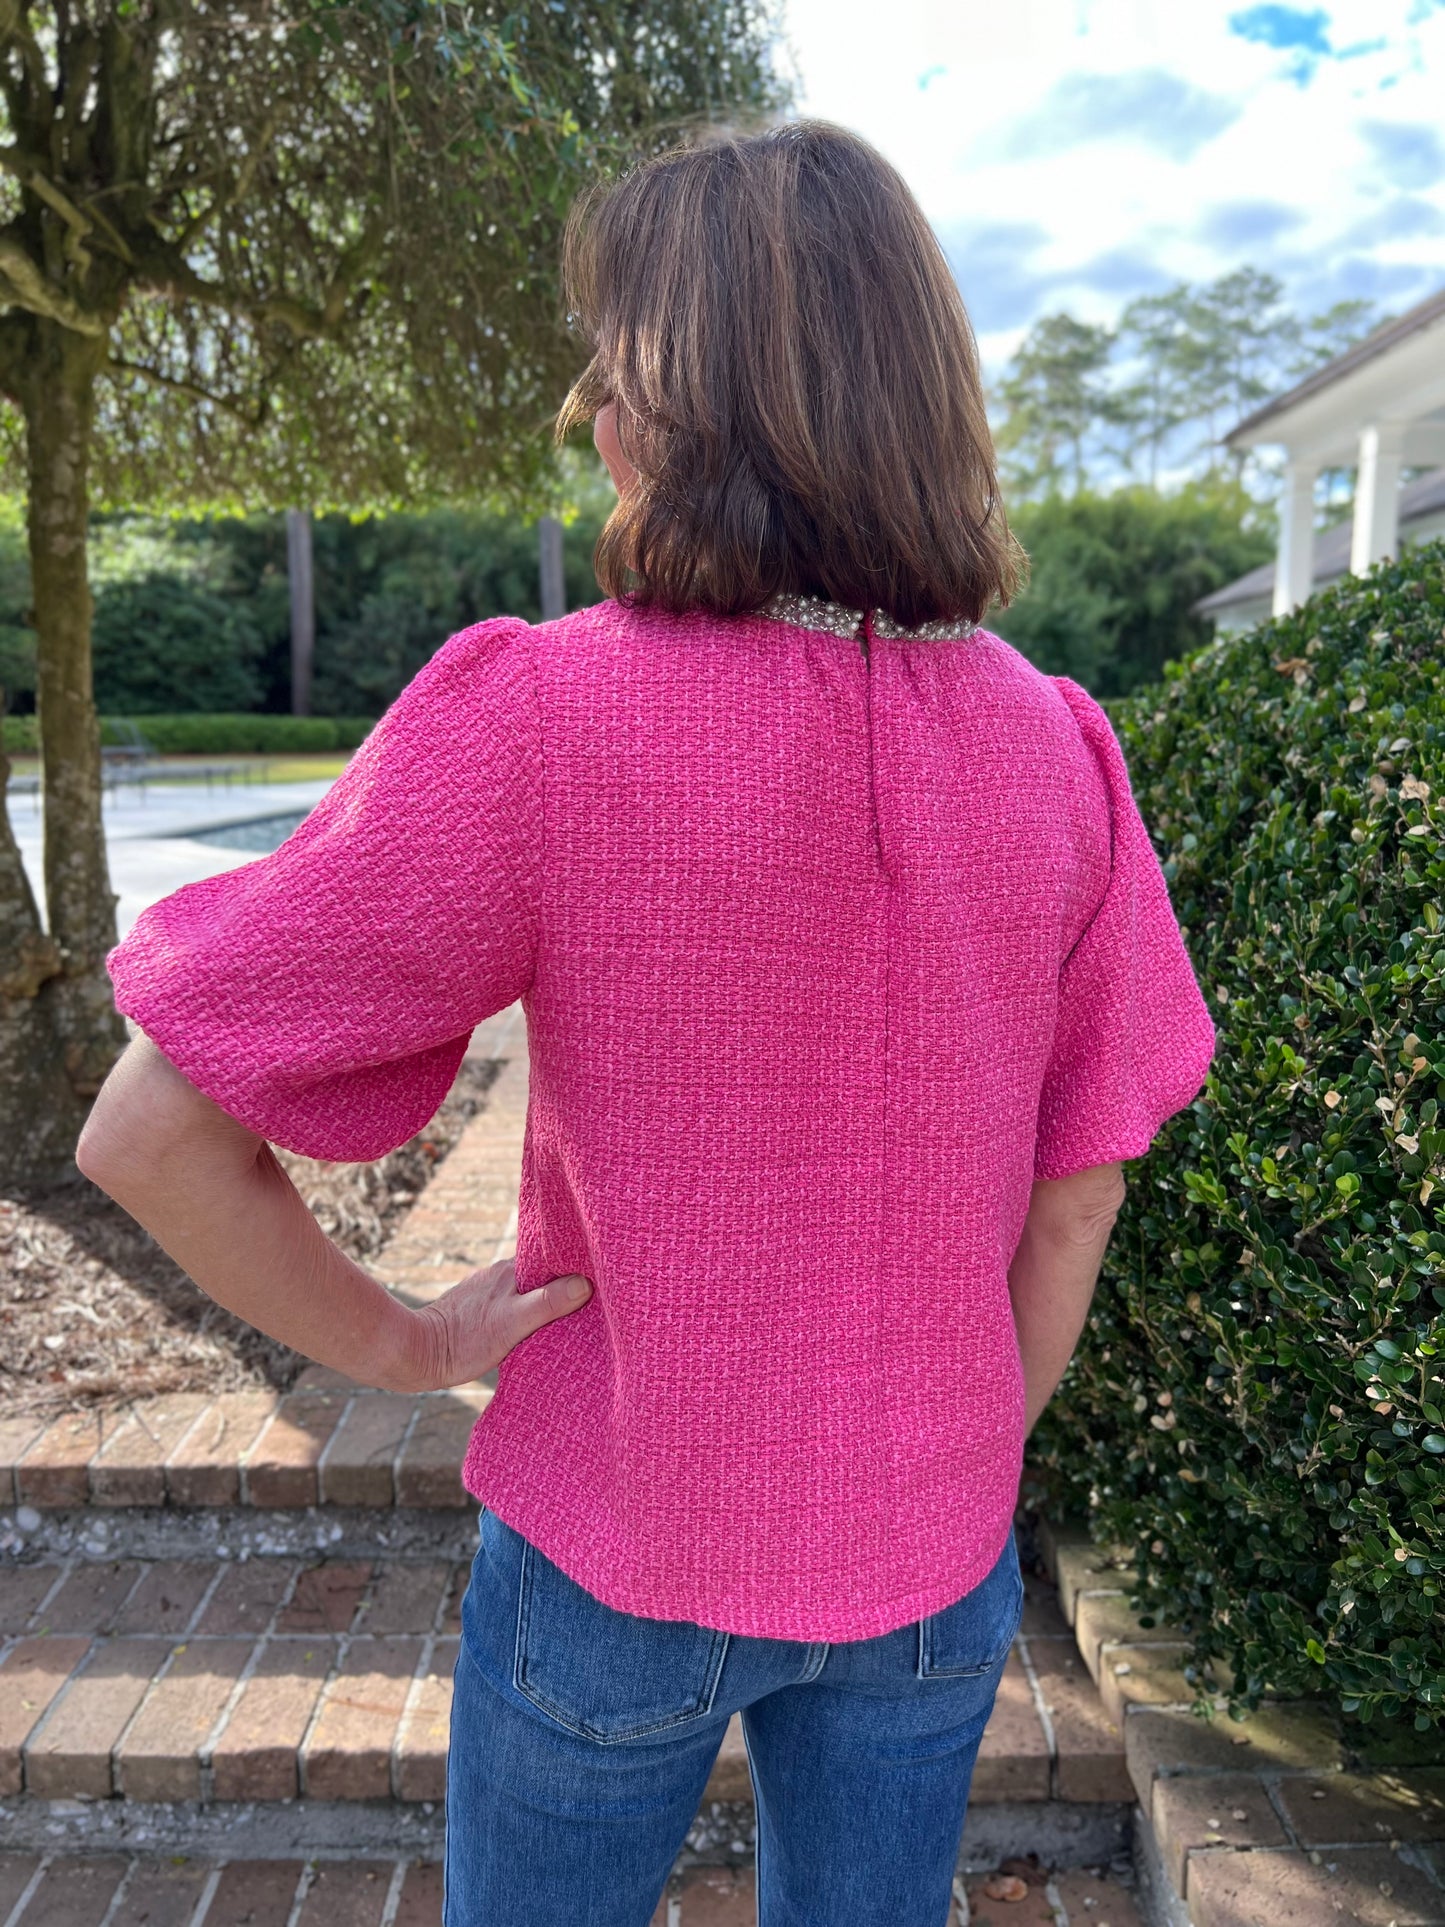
[796, 384]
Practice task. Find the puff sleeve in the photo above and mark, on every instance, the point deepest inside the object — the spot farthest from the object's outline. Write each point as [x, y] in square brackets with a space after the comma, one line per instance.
[1133, 1037]
[324, 994]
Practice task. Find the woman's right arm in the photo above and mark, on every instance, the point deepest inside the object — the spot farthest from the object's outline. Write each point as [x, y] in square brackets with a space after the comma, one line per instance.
[1054, 1270]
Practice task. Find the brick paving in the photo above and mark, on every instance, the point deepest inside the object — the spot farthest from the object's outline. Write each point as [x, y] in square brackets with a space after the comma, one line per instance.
[71, 1891]
[328, 1444]
[279, 1677]
[288, 1677]
[467, 1215]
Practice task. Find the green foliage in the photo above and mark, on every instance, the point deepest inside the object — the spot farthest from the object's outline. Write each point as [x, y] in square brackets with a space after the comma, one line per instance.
[321, 239]
[1258, 1409]
[390, 590]
[1113, 578]
[195, 614]
[17, 638]
[1056, 390]
[1084, 403]
[163, 642]
[221, 735]
[1218, 350]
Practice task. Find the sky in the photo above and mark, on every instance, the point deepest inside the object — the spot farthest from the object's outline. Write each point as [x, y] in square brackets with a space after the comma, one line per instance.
[1074, 153]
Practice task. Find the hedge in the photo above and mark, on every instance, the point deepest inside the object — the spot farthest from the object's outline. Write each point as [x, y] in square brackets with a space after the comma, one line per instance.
[214, 735]
[1258, 1408]
[1113, 579]
[195, 614]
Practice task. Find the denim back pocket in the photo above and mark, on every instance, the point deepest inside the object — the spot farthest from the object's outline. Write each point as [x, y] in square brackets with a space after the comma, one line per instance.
[973, 1635]
[608, 1675]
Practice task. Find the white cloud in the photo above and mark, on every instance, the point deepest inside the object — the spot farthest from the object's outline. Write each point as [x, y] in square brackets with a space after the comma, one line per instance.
[1038, 137]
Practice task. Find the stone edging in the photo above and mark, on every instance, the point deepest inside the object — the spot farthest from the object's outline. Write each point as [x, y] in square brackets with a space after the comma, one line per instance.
[1268, 1820]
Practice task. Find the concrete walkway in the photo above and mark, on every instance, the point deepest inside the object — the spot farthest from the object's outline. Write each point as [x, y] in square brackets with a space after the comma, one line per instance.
[150, 831]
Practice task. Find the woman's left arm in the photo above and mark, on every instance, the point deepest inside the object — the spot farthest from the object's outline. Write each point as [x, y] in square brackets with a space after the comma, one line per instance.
[212, 1194]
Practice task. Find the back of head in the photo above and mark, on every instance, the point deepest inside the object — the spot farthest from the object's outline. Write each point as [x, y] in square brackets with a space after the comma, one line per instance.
[795, 380]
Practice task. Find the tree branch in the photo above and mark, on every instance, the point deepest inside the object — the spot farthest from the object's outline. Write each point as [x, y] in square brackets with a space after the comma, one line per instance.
[27, 287]
[119, 366]
[112, 233]
[14, 163]
[15, 28]
[239, 189]
[163, 270]
[81, 219]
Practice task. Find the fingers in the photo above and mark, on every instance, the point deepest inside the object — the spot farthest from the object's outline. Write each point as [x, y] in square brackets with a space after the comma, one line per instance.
[555, 1299]
[481, 1319]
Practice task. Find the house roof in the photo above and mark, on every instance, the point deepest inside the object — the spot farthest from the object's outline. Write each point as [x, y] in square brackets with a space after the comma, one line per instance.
[1389, 335]
[1424, 496]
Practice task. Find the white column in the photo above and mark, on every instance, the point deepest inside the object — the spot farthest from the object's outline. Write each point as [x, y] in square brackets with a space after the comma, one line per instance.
[1294, 569]
[1377, 495]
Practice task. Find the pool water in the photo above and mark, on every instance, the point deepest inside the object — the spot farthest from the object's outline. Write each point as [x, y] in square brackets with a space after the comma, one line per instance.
[261, 834]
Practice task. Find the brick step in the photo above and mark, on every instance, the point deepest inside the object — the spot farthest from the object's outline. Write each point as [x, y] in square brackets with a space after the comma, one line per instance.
[1282, 1815]
[196, 1681]
[70, 1890]
[127, 1891]
[324, 1443]
[187, 1688]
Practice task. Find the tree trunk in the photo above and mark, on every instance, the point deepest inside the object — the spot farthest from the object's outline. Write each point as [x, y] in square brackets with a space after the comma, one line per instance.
[40, 1114]
[73, 1033]
[303, 608]
[550, 568]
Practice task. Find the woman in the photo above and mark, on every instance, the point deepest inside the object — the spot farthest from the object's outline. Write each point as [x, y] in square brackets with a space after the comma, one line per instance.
[850, 979]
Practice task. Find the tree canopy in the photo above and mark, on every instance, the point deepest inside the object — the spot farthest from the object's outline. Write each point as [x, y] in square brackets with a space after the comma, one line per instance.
[1056, 392]
[1113, 578]
[1082, 405]
[193, 615]
[315, 245]
[272, 252]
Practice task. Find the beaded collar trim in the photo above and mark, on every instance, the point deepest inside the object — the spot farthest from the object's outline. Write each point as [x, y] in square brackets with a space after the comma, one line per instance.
[836, 619]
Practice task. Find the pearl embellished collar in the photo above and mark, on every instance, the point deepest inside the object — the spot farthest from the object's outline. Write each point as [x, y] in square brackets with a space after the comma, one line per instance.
[836, 619]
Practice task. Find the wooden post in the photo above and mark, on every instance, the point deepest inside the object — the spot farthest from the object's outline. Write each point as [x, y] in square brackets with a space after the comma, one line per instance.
[303, 608]
[554, 587]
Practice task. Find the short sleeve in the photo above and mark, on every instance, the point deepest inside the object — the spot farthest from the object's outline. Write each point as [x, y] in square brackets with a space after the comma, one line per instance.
[1133, 1037]
[324, 995]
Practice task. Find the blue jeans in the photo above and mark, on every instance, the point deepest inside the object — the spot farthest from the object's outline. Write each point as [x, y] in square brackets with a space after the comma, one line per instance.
[582, 1739]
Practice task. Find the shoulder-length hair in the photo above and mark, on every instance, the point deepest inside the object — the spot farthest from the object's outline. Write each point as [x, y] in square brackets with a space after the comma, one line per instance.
[796, 384]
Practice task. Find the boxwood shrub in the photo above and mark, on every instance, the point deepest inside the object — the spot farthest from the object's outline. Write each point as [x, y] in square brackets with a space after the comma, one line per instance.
[220, 735]
[1258, 1408]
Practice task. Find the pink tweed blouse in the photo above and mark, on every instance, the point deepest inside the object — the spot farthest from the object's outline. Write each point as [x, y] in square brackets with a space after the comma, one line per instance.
[825, 957]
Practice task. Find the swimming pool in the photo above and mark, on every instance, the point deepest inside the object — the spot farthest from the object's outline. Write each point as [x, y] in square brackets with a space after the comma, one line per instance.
[260, 834]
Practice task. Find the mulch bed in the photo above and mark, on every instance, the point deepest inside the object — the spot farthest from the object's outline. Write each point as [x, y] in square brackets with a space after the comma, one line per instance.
[93, 1312]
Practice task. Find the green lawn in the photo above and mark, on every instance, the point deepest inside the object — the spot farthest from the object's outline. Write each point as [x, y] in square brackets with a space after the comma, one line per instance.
[269, 769]
[295, 769]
